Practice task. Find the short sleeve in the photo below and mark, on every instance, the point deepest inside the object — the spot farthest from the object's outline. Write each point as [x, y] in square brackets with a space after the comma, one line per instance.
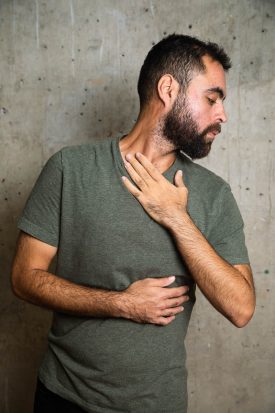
[227, 235]
[41, 215]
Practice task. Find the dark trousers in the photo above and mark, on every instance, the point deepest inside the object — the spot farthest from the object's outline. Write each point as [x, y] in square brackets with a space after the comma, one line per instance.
[46, 401]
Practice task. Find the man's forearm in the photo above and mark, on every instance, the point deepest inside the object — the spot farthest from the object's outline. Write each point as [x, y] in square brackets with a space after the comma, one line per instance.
[144, 301]
[45, 289]
[228, 289]
[225, 287]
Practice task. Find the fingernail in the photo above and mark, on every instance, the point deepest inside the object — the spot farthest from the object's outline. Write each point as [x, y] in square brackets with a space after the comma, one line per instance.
[128, 156]
[138, 154]
[180, 171]
[172, 278]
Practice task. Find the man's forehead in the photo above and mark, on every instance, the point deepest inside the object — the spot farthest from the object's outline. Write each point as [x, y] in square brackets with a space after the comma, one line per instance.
[211, 80]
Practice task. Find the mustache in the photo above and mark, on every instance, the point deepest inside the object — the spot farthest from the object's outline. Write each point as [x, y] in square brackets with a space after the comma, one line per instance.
[215, 127]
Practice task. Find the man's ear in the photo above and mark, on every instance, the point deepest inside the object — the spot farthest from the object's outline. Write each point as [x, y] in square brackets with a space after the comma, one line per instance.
[168, 89]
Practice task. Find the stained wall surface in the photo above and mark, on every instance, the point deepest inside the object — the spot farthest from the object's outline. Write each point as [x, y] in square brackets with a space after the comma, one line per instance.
[68, 73]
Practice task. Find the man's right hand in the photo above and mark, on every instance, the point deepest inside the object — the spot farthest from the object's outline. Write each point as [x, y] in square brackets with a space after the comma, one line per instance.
[148, 301]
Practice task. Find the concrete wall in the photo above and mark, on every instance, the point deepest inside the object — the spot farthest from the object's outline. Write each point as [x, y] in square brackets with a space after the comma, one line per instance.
[68, 72]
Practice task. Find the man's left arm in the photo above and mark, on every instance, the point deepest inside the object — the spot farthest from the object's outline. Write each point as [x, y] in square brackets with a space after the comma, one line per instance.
[229, 288]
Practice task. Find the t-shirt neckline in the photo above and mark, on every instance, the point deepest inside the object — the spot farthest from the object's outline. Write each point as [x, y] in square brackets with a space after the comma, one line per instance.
[119, 160]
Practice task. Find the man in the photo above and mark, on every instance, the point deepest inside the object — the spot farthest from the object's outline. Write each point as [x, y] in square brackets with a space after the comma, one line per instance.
[135, 225]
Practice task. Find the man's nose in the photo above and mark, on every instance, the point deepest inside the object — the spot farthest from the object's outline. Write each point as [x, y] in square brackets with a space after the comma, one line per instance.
[221, 114]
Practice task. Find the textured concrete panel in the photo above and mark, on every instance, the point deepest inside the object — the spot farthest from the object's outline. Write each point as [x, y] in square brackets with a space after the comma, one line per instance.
[68, 74]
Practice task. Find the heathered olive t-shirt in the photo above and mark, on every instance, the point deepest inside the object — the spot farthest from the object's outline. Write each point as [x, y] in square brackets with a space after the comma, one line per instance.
[105, 239]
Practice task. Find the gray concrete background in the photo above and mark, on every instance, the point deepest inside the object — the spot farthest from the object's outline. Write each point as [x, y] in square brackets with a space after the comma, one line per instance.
[68, 73]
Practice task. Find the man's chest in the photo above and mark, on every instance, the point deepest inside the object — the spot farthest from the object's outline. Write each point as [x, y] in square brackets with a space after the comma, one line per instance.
[105, 228]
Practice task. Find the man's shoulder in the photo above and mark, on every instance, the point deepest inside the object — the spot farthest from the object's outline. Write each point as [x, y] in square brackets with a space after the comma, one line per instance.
[70, 156]
[84, 150]
[203, 178]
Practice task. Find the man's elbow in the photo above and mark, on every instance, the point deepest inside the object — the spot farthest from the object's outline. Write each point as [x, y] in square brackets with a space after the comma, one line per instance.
[16, 285]
[244, 316]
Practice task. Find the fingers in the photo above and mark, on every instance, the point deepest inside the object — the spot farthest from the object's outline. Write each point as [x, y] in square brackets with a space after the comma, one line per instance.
[161, 282]
[150, 168]
[164, 321]
[131, 188]
[150, 301]
[164, 282]
[175, 302]
[173, 306]
[136, 170]
[142, 171]
[169, 315]
[179, 179]
[143, 167]
[171, 311]
[176, 291]
[140, 179]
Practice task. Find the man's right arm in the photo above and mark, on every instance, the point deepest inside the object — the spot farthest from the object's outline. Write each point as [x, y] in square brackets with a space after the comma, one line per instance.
[144, 301]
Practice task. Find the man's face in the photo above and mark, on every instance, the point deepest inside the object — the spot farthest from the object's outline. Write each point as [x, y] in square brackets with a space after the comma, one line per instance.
[195, 118]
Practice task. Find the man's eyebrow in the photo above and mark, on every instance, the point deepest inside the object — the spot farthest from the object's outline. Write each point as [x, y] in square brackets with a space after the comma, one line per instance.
[217, 90]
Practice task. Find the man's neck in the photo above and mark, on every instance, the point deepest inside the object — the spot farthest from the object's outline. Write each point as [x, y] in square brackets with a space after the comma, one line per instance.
[146, 137]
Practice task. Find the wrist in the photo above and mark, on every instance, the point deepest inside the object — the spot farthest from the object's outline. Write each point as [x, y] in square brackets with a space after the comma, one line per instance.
[178, 220]
[119, 305]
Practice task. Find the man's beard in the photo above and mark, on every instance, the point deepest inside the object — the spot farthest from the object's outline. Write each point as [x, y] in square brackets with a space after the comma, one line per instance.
[180, 129]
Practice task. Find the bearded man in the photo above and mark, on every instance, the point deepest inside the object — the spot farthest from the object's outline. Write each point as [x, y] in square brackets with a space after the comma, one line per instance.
[135, 225]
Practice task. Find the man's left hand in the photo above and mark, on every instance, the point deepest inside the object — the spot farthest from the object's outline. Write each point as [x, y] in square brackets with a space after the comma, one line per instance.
[163, 201]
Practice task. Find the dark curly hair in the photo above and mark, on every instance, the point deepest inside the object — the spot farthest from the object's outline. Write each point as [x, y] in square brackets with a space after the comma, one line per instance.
[180, 56]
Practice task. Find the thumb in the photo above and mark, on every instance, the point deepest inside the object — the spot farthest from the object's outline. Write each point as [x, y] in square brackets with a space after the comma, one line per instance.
[179, 178]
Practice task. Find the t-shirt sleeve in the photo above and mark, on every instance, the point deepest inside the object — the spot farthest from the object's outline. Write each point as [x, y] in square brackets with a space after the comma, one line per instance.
[41, 215]
[227, 236]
